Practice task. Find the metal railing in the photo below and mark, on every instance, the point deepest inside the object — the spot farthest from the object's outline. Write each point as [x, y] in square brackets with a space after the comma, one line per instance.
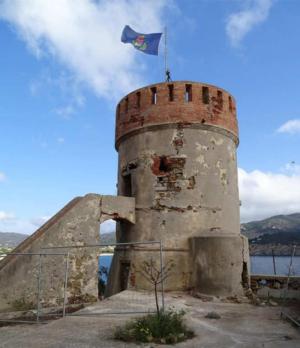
[39, 308]
[41, 272]
[283, 313]
[128, 244]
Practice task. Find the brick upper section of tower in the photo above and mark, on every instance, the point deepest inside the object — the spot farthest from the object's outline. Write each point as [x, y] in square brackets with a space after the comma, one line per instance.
[184, 103]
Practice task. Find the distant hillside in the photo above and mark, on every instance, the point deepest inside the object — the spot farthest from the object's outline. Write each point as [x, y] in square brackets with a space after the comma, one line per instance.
[107, 238]
[277, 232]
[10, 239]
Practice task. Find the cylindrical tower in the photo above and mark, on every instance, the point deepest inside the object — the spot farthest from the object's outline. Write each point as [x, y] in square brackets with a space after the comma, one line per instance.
[177, 156]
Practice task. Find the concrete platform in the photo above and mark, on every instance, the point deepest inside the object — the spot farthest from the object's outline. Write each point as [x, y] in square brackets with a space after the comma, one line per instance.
[241, 325]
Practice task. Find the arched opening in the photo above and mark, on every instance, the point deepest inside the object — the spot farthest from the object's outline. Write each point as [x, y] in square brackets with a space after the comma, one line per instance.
[107, 232]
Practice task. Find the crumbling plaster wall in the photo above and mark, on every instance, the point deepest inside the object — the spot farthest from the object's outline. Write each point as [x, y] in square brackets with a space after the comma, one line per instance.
[76, 224]
[181, 192]
[177, 156]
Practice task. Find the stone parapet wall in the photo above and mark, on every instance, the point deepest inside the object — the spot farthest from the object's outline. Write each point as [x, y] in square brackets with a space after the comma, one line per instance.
[184, 102]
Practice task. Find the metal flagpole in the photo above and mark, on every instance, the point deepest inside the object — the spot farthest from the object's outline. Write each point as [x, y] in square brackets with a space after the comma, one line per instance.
[167, 71]
[166, 52]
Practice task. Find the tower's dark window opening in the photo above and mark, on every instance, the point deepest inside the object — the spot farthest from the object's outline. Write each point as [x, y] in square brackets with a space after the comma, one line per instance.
[205, 95]
[127, 187]
[164, 165]
[220, 99]
[126, 104]
[138, 99]
[188, 93]
[171, 92]
[153, 95]
[230, 103]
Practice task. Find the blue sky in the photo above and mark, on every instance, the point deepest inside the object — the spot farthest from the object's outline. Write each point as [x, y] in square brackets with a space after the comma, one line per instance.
[63, 69]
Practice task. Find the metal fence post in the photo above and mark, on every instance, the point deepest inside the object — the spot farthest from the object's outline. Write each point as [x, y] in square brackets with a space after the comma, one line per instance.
[39, 288]
[162, 277]
[282, 313]
[66, 283]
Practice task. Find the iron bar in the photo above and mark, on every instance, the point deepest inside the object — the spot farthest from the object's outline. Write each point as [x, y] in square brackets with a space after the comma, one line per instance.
[39, 288]
[32, 254]
[287, 282]
[107, 313]
[162, 279]
[274, 263]
[290, 266]
[65, 284]
[22, 321]
[290, 318]
[100, 245]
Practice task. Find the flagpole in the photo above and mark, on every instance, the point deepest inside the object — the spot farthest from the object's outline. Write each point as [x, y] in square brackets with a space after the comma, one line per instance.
[166, 53]
[167, 70]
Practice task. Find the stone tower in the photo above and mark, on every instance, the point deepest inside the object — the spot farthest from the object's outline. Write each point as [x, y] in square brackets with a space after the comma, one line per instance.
[177, 156]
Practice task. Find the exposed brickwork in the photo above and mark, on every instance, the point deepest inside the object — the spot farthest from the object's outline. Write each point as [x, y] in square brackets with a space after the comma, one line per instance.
[190, 103]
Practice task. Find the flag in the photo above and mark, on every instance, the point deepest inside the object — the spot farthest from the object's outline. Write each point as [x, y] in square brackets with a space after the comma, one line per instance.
[147, 43]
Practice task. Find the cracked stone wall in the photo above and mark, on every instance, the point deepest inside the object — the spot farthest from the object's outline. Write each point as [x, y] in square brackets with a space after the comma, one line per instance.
[178, 159]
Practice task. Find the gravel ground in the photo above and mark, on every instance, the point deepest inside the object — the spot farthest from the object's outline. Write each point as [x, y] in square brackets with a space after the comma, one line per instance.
[240, 325]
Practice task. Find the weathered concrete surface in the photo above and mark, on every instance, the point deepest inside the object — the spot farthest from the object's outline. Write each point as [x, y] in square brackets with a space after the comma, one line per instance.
[240, 326]
[211, 255]
[76, 224]
[177, 157]
[118, 208]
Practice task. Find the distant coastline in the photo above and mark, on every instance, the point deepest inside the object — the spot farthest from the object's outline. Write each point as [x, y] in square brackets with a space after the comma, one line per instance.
[278, 249]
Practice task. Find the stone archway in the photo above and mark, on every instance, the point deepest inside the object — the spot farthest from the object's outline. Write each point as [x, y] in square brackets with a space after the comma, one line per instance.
[122, 210]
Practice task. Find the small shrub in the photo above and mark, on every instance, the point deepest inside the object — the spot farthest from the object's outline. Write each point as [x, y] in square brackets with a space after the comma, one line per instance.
[166, 327]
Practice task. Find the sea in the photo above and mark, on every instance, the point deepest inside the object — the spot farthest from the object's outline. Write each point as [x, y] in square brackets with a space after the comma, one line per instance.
[259, 264]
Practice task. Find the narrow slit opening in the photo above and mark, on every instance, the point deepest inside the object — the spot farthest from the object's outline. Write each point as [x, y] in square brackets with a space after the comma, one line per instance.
[127, 186]
[188, 93]
[220, 99]
[138, 99]
[205, 95]
[171, 92]
[230, 103]
[153, 95]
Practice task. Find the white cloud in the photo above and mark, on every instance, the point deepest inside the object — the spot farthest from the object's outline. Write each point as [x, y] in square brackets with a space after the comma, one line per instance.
[266, 194]
[291, 168]
[2, 176]
[108, 226]
[241, 23]
[291, 127]
[60, 140]
[6, 216]
[66, 111]
[10, 223]
[84, 35]
[39, 221]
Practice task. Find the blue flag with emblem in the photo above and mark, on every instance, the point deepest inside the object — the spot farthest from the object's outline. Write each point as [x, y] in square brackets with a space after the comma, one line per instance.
[147, 43]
